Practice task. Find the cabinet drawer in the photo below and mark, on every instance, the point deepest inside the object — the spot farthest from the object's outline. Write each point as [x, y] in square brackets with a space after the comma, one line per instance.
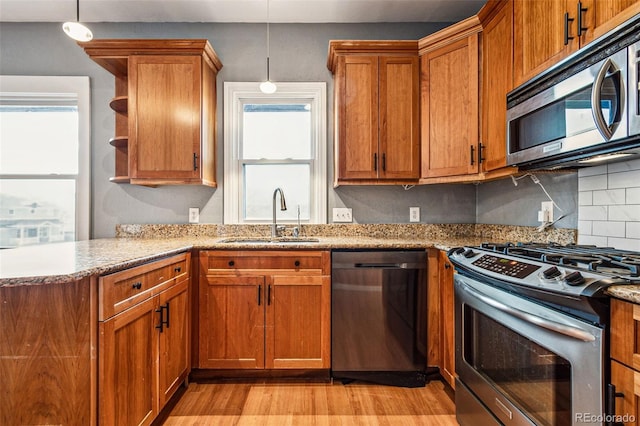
[625, 333]
[262, 260]
[123, 289]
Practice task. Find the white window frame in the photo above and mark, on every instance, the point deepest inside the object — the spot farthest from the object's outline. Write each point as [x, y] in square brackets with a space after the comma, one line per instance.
[235, 95]
[24, 87]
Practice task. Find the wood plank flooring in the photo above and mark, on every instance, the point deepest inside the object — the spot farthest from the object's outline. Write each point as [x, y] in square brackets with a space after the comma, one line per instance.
[312, 404]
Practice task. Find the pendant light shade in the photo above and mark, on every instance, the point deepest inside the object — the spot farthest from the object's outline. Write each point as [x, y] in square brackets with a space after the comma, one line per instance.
[76, 30]
[268, 86]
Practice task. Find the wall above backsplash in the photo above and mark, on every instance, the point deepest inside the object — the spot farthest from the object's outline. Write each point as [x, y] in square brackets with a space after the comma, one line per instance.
[609, 205]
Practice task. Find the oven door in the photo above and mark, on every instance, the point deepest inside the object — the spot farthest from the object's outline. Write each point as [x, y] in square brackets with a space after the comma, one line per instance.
[525, 363]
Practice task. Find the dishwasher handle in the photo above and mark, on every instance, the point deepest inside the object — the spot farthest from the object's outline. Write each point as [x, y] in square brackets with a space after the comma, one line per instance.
[382, 265]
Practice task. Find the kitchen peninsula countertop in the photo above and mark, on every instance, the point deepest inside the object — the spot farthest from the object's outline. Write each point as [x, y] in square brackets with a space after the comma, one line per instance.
[137, 244]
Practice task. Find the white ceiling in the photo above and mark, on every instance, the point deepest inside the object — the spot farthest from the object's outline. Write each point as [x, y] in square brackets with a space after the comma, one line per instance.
[302, 11]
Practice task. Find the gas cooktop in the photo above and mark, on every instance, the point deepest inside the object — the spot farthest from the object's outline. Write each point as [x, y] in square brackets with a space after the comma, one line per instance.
[565, 276]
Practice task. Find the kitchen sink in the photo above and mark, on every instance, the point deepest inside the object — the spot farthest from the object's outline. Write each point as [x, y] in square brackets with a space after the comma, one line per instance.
[254, 240]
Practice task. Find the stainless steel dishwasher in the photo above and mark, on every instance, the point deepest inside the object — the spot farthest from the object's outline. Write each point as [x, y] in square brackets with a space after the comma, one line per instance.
[379, 317]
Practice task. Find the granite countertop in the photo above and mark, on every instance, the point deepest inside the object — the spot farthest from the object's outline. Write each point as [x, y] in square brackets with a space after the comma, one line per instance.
[630, 292]
[137, 244]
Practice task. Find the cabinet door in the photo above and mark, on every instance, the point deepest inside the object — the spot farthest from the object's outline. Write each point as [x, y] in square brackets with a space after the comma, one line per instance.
[603, 16]
[164, 117]
[497, 81]
[625, 333]
[231, 321]
[174, 339]
[449, 102]
[447, 343]
[298, 323]
[399, 148]
[539, 35]
[627, 382]
[128, 365]
[357, 117]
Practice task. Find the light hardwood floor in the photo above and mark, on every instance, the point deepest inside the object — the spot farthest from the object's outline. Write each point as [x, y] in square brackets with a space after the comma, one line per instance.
[312, 404]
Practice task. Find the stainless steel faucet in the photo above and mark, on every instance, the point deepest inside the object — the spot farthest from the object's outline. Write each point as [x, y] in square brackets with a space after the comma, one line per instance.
[283, 207]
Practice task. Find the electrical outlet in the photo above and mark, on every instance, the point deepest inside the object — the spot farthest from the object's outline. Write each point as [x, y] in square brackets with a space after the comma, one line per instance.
[414, 214]
[547, 212]
[194, 215]
[342, 214]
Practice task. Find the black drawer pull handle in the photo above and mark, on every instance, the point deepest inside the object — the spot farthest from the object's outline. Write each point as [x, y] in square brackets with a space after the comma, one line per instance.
[231, 263]
[297, 263]
[137, 286]
[177, 269]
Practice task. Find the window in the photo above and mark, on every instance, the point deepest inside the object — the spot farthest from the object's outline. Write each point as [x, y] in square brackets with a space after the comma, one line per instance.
[44, 159]
[275, 141]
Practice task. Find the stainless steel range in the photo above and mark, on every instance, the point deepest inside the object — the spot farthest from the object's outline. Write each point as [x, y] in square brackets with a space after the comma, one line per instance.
[532, 332]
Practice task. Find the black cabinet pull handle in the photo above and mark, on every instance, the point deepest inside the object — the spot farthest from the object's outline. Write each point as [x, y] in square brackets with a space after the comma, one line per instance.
[447, 266]
[161, 312]
[384, 162]
[137, 286]
[195, 161]
[259, 292]
[296, 263]
[269, 295]
[177, 269]
[581, 10]
[567, 20]
[231, 263]
[375, 162]
[480, 152]
[610, 403]
[471, 154]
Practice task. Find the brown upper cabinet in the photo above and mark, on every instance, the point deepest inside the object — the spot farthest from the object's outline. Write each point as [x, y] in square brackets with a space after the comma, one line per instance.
[496, 81]
[165, 109]
[376, 111]
[546, 31]
[449, 79]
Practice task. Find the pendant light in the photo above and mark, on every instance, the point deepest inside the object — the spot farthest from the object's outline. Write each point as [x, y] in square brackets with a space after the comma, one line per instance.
[76, 30]
[268, 86]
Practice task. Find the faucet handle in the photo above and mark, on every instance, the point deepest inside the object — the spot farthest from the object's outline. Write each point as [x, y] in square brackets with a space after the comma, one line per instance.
[296, 232]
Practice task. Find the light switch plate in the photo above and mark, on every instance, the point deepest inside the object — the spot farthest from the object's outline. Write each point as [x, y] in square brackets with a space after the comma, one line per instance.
[342, 214]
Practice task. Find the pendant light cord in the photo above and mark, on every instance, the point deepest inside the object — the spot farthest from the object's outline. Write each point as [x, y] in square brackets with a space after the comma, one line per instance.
[268, 41]
[77, 10]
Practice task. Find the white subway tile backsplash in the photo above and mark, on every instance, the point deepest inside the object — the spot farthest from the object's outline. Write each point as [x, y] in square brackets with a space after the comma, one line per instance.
[608, 197]
[585, 227]
[624, 243]
[591, 240]
[624, 166]
[633, 230]
[608, 228]
[628, 179]
[593, 213]
[629, 212]
[609, 205]
[633, 196]
[585, 198]
[591, 183]
[592, 171]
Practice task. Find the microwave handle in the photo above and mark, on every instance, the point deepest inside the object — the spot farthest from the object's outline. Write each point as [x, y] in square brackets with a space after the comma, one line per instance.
[603, 127]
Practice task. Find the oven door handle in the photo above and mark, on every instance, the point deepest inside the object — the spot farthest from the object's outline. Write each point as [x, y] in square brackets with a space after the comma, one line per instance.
[567, 330]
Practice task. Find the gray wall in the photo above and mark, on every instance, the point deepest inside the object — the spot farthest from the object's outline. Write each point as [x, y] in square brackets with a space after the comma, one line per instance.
[298, 53]
[502, 203]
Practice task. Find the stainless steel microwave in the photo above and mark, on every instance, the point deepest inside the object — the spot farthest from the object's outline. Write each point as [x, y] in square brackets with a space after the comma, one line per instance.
[589, 115]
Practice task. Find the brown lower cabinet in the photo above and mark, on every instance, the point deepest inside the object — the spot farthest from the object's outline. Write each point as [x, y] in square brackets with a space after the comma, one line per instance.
[144, 351]
[264, 310]
[625, 359]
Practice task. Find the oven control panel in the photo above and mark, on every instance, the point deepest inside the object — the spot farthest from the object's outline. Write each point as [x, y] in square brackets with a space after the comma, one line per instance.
[508, 267]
